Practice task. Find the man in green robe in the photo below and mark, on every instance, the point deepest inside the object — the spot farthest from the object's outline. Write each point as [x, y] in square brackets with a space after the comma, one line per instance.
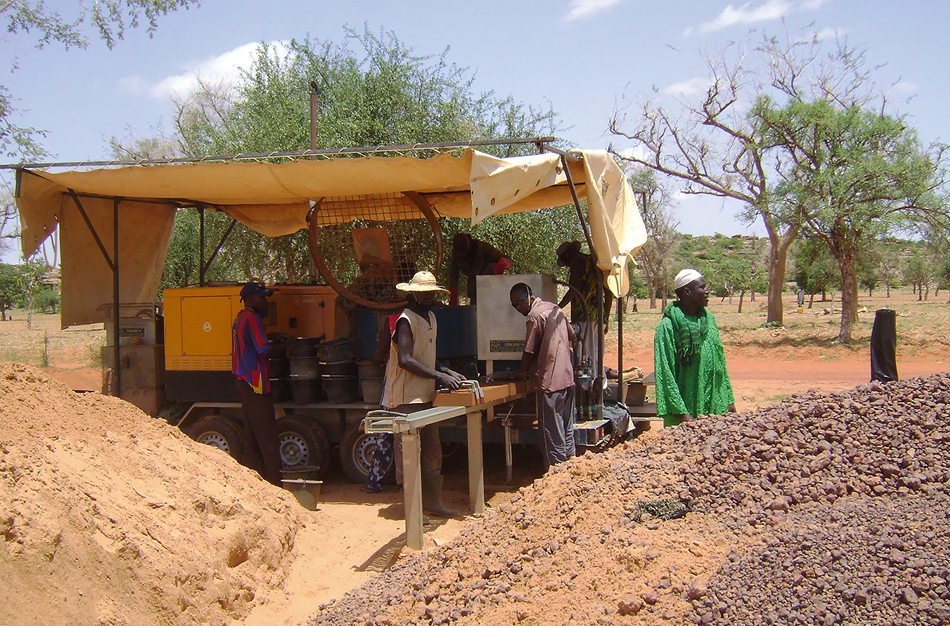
[689, 361]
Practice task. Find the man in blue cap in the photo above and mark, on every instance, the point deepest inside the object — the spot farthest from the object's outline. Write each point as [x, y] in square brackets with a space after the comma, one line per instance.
[250, 364]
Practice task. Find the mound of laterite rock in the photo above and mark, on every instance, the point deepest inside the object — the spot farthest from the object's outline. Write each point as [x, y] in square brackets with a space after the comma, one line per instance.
[852, 489]
[824, 509]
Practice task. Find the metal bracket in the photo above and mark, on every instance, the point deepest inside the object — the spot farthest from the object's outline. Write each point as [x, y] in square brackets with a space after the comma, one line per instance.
[381, 421]
[474, 386]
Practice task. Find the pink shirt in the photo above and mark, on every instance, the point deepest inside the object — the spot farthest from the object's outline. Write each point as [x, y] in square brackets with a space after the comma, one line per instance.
[547, 339]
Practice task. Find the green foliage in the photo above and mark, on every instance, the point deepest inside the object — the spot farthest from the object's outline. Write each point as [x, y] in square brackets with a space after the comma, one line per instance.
[657, 254]
[855, 174]
[11, 288]
[110, 18]
[815, 268]
[371, 89]
[46, 299]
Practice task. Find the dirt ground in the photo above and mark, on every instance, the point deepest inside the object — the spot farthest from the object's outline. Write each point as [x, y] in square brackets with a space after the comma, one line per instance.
[353, 535]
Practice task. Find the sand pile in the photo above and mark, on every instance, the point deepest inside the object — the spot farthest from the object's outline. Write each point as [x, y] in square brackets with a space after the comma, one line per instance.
[825, 509]
[110, 517]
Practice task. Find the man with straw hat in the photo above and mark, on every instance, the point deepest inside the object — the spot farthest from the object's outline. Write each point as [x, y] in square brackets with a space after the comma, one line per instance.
[411, 375]
[690, 364]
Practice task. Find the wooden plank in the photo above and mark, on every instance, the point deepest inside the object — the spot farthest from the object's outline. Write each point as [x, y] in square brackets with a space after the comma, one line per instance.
[412, 489]
[476, 469]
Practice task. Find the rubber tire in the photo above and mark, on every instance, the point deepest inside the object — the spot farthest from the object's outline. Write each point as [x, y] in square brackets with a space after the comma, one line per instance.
[302, 443]
[220, 432]
[356, 457]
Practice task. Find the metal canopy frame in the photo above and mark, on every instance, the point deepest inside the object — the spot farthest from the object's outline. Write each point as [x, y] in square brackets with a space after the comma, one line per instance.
[543, 144]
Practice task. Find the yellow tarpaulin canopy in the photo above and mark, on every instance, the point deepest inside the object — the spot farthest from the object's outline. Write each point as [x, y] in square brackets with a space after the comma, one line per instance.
[274, 199]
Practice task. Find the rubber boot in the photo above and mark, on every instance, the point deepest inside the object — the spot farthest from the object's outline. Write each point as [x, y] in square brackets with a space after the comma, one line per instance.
[432, 497]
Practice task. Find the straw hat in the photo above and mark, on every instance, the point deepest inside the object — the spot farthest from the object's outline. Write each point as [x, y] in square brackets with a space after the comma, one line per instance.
[422, 281]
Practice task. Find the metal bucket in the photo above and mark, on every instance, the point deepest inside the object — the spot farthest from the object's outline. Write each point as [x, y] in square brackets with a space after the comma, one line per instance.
[372, 389]
[279, 367]
[341, 389]
[306, 491]
[336, 350]
[305, 366]
[305, 346]
[338, 368]
[305, 389]
[280, 389]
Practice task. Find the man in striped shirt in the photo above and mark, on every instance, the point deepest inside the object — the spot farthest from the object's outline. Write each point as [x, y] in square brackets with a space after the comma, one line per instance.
[250, 364]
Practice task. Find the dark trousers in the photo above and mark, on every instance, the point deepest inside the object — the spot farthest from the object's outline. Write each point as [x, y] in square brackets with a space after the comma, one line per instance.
[260, 433]
[556, 421]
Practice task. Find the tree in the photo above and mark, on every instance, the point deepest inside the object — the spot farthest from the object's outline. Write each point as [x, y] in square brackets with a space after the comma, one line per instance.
[110, 19]
[656, 255]
[856, 175]
[918, 271]
[815, 270]
[11, 288]
[715, 148]
[33, 275]
[888, 265]
[371, 90]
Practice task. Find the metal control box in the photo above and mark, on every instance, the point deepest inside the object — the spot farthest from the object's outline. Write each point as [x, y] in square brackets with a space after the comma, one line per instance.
[501, 328]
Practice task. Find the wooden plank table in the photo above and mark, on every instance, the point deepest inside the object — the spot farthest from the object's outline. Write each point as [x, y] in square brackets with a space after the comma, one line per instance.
[409, 425]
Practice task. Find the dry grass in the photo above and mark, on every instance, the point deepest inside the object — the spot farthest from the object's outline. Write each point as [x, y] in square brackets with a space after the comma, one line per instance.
[922, 326]
[47, 345]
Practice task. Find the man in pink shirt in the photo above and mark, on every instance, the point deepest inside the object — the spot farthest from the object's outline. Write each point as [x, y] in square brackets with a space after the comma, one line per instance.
[546, 362]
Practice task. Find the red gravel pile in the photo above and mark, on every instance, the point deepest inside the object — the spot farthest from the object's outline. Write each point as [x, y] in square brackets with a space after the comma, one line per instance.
[825, 509]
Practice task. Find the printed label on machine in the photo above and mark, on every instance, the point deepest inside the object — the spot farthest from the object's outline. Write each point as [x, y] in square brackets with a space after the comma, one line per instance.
[506, 345]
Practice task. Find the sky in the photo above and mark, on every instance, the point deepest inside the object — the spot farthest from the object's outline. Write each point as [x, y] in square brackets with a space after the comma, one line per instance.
[586, 59]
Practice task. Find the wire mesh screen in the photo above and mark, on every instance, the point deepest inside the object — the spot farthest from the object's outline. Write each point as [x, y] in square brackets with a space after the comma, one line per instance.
[365, 245]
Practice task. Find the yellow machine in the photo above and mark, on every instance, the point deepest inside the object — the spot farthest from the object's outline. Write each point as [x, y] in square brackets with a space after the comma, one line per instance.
[198, 333]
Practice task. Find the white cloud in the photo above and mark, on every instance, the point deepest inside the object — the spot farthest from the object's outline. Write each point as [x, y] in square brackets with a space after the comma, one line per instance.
[831, 33]
[687, 88]
[579, 9]
[905, 87]
[634, 152]
[748, 14]
[224, 68]
[730, 16]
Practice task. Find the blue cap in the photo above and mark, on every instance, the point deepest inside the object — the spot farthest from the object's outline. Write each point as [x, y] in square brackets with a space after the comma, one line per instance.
[253, 289]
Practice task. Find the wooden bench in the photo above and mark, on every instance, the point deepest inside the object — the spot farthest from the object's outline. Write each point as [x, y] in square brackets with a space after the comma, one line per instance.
[409, 425]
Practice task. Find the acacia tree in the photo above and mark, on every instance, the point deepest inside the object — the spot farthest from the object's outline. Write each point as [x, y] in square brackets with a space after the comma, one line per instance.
[888, 265]
[814, 268]
[714, 148]
[371, 90]
[855, 174]
[109, 18]
[656, 255]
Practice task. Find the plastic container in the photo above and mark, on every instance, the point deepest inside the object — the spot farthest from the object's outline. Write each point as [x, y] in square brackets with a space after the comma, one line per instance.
[365, 328]
[339, 368]
[336, 350]
[305, 366]
[305, 389]
[341, 389]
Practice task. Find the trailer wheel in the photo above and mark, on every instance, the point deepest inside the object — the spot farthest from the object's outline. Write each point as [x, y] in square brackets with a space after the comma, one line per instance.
[221, 432]
[302, 443]
[356, 456]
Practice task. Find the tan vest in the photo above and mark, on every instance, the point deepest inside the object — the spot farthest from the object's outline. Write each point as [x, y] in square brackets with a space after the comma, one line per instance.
[402, 386]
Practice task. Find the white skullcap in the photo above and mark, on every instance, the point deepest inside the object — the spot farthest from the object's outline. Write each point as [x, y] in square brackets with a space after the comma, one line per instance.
[685, 277]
